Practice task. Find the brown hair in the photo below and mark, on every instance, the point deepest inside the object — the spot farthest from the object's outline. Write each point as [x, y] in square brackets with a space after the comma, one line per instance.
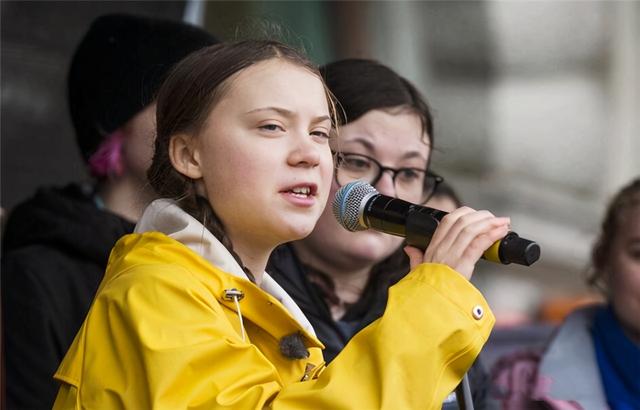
[185, 100]
[627, 198]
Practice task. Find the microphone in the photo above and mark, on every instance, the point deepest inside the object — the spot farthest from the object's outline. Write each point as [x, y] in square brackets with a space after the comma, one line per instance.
[358, 206]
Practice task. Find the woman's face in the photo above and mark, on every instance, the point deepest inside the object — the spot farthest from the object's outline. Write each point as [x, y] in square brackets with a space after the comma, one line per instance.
[624, 268]
[394, 139]
[264, 154]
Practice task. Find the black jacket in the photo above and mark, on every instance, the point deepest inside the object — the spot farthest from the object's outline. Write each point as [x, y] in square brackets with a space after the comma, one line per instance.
[55, 250]
[285, 267]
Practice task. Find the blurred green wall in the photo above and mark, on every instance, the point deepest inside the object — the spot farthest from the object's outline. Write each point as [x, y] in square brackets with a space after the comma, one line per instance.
[302, 24]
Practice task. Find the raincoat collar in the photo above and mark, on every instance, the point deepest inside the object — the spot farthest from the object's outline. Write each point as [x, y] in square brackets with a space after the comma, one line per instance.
[165, 216]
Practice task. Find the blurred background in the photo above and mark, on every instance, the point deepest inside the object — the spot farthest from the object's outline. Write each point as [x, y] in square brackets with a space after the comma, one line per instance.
[537, 107]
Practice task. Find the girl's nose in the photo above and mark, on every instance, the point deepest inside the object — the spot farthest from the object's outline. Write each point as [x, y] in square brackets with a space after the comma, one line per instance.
[306, 152]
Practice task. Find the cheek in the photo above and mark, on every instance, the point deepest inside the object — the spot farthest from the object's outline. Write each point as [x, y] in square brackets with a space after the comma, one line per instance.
[138, 151]
[625, 298]
[218, 165]
[625, 276]
[328, 186]
[626, 284]
[625, 295]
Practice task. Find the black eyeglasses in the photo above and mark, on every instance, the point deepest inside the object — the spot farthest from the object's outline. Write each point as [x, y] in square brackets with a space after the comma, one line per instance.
[411, 184]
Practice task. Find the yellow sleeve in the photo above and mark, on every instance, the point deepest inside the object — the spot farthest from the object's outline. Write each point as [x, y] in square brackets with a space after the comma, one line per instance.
[157, 339]
[165, 343]
[434, 326]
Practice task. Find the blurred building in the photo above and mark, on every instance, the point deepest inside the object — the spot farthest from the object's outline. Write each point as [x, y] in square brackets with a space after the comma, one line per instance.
[537, 118]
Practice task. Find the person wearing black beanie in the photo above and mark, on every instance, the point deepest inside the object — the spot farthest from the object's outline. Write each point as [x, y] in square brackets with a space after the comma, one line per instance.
[56, 244]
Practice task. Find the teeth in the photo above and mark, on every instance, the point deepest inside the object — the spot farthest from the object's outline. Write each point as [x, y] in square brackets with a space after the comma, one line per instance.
[302, 190]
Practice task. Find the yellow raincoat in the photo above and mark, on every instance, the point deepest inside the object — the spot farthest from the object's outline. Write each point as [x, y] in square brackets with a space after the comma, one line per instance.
[163, 333]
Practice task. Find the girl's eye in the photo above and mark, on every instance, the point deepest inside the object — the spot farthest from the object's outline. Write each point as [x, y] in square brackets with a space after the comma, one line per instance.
[271, 127]
[321, 134]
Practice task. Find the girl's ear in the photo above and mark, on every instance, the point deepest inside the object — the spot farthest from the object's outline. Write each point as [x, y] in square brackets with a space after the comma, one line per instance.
[185, 156]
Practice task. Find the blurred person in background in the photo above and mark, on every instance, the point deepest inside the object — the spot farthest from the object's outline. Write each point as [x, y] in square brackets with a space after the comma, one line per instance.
[444, 198]
[341, 279]
[56, 244]
[592, 361]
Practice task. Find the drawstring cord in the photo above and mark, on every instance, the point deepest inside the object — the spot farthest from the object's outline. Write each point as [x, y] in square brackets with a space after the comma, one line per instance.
[236, 295]
[235, 298]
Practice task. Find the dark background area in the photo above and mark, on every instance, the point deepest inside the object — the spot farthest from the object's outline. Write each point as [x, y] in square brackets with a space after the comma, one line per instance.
[38, 38]
[38, 145]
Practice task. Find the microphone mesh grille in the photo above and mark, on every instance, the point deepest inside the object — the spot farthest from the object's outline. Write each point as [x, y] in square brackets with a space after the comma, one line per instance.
[347, 204]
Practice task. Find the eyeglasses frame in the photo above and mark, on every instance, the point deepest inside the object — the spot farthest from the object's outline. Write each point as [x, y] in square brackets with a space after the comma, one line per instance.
[437, 179]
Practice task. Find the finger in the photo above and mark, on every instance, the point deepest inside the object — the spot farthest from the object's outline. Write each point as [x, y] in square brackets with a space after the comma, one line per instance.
[415, 256]
[465, 264]
[470, 233]
[444, 227]
[470, 223]
[473, 240]
[483, 241]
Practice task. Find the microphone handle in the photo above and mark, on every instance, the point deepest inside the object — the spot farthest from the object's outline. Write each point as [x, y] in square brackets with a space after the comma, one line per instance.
[418, 223]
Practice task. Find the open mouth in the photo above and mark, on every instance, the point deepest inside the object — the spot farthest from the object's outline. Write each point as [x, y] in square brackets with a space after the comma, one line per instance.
[302, 191]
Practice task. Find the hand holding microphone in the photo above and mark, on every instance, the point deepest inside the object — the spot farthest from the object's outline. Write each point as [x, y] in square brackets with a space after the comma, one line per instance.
[459, 240]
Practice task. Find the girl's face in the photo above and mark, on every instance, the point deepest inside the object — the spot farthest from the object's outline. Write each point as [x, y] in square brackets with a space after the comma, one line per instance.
[264, 155]
[624, 276]
[393, 139]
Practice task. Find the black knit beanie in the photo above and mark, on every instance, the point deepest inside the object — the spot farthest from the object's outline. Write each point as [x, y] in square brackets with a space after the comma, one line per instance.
[118, 68]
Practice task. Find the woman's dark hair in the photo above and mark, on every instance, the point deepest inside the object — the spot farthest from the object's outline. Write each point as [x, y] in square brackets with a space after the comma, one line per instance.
[184, 102]
[626, 199]
[360, 86]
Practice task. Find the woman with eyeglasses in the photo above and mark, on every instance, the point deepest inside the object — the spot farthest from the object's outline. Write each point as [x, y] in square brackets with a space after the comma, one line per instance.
[341, 279]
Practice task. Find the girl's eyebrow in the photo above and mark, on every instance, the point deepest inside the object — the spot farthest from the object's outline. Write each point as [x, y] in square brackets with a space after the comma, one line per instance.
[287, 113]
[282, 111]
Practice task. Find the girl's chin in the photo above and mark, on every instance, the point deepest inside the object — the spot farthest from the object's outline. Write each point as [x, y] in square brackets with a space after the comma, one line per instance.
[295, 233]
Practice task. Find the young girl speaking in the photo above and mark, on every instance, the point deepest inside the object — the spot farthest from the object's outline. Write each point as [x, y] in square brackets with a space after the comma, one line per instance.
[186, 317]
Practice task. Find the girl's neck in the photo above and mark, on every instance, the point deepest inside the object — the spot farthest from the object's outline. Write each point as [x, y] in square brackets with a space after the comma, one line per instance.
[349, 280]
[253, 258]
[126, 197]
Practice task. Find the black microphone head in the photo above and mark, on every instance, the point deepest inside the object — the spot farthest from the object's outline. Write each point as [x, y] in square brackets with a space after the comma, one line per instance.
[349, 201]
[521, 251]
